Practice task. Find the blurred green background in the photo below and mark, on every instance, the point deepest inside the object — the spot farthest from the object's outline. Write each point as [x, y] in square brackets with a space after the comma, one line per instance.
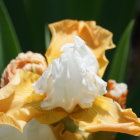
[23, 27]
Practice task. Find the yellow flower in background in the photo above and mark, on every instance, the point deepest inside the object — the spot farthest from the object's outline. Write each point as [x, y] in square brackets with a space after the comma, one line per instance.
[70, 87]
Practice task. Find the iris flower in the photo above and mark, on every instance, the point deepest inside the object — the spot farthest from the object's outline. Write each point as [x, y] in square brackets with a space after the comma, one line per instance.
[68, 84]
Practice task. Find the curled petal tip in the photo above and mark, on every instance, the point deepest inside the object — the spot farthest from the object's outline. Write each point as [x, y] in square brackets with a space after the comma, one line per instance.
[107, 115]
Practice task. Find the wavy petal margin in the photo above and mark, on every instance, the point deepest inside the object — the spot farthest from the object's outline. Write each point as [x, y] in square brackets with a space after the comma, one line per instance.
[97, 38]
[14, 108]
[107, 115]
[19, 104]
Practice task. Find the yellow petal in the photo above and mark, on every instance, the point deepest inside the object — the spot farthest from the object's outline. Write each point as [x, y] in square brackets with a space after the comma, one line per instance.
[97, 38]
[19, 101]
[45, 116]
[14, 108]
[106, 115]
[65, 135]
[52, 116]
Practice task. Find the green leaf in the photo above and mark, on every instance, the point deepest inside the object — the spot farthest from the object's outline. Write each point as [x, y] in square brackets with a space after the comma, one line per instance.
[28, 19]
[120, 60]
[30, 16]
[9, 45]
[47, 37]
[1, 56]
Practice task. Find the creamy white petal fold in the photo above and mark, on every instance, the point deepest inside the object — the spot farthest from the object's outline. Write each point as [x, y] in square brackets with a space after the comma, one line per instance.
[71, 79]
[32, 131]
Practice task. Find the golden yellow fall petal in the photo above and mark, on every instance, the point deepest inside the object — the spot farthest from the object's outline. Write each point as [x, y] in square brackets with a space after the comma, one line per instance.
[107, 115]
[97, 38]
[61, 134]
[14, 108]
[5, 119]
[52, 116]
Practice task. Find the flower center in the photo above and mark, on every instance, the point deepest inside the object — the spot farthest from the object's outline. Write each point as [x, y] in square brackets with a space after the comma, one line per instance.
[71, 79]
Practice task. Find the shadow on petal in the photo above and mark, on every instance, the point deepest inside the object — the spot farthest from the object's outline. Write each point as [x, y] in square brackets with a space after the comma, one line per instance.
[61, 134]
[52, 116]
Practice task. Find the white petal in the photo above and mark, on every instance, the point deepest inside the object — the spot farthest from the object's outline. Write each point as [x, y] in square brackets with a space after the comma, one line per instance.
[119, 89]
[36, 131]
[32, 131]
[71, 79]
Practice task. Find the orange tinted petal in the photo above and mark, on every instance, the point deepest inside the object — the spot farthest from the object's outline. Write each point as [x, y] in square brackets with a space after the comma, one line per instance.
[97, 38]
[120, 99]
[106, 115]
[33, 62]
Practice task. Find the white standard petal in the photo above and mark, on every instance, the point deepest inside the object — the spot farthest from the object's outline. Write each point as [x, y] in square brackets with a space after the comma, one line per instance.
[71, 79]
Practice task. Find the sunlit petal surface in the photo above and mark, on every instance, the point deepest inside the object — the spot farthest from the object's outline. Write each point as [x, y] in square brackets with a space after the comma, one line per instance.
[106, 115]
[14, 108]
